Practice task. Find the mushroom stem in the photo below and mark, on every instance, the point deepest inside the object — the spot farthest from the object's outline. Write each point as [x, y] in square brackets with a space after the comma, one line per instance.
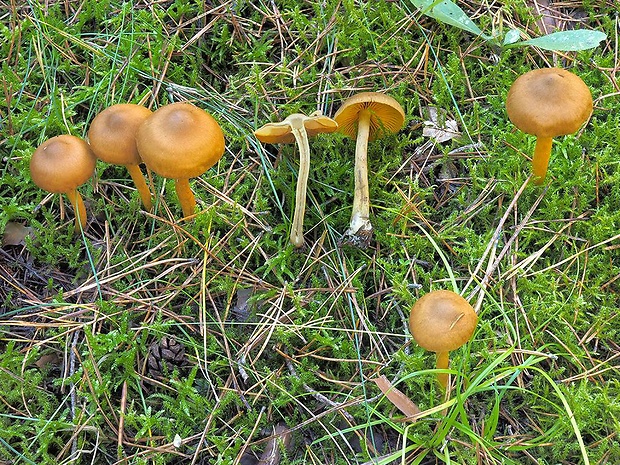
[443, 361]
[540, 160]
[185, 196]
[140, 182]
[360, 215]
[297, 229]
[78, 208]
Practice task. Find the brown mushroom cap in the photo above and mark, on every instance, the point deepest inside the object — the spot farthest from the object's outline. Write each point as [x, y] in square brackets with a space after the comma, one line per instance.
[386, 114]
[282, 132]
[180, 141]
[442, 321]
[548, 102]
[62, 163]
[112, 133]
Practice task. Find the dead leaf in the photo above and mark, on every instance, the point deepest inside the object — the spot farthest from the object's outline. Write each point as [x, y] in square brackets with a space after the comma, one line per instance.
[241, 310]
[439, 127]
[281, 438]
[400, 400]
[48, 359]
[15, 234]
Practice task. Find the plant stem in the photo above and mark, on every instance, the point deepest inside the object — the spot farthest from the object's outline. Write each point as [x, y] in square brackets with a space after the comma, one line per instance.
[443, 361]
[301, 136]
[78, 207]
[540, 160]
[185, 196]
[360, 215]
[140, 182]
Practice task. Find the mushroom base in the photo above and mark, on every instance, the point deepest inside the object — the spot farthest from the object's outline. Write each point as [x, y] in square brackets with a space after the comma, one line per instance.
[359, 234]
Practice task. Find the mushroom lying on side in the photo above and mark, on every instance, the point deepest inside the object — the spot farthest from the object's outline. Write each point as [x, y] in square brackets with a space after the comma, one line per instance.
[442, 321]
[180, 141]
[547, 103]
[112, 137]
[61, 164]
[366, 116]
[298, 127]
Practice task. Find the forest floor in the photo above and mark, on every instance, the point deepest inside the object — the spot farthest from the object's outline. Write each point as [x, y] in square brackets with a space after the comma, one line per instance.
[149, 338]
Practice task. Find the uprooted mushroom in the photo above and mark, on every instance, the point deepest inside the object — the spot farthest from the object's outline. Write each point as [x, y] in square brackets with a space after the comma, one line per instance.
[298, 127]
[365, 117]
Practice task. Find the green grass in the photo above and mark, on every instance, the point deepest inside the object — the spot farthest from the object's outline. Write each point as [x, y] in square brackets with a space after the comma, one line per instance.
[274, 335]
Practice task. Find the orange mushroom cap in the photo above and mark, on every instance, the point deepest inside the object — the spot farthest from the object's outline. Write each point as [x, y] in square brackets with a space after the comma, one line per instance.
[62, 163]
[282, 132]
[180, 141]
[386, 114]
[442, 321]
[112, 133]
[548, 102]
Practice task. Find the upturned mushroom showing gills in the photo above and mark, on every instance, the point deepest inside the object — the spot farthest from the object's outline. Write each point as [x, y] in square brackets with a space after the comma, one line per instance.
[180, 141]
[547, 103]
[365, 117]
[112, 137]
[61, 164]
[442, 321]
[298, 128]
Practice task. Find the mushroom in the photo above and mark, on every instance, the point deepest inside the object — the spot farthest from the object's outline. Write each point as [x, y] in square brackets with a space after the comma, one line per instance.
[442, 321]
[365, 117]
[547, 103]
[61, 164]
[180, 141]
[112, 137]
[298, 128]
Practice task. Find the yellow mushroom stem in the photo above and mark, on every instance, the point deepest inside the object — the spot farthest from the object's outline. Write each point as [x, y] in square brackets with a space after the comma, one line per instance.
[540, 160]
[140, 182]
[78, 207]
[360, 215]
[301, 137]
[185, 196]
[443, 361]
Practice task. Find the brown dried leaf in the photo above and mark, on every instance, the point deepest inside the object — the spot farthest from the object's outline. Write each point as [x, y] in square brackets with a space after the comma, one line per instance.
[15, 234]
[241, 310]
[48, 359]
[400, 400]
[281, 438]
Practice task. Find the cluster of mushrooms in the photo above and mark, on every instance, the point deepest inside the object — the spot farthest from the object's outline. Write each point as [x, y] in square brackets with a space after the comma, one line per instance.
[181, 141]
[177, 141]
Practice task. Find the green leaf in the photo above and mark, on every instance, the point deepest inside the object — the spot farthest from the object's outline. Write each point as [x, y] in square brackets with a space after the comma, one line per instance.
[448, 12]
[512, 36]
[581, 39]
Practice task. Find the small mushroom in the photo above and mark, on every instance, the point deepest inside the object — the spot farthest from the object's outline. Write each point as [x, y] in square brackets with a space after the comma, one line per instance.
[442, 321]
[298, 128]
[365, 117]
[180, 141]
[547, 103]
[61, 164]
[112, 137]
